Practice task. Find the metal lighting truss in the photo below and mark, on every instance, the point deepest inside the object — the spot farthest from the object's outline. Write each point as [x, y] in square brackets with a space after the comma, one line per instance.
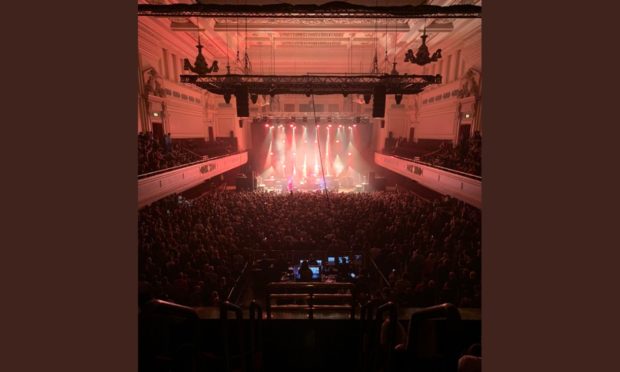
[329, 10]
[312, 84]
[307, 118]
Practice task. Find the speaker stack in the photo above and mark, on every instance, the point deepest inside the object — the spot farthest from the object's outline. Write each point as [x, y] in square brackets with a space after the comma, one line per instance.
[375, 183]
[243, 183]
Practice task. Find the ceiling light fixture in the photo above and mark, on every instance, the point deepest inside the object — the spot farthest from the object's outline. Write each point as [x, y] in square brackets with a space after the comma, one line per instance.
[200, 67]
[422, 56]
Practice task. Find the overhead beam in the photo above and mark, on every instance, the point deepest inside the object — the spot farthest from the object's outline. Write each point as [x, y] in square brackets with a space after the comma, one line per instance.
[329, 10]
[312, 84]
[292, 25]
[322, 117]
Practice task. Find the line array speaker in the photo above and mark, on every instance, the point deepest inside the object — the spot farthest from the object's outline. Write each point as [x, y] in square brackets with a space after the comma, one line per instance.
[378, 101]
[243, 104]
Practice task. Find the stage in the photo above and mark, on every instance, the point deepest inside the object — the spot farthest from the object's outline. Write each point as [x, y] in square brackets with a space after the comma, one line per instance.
[311, 184]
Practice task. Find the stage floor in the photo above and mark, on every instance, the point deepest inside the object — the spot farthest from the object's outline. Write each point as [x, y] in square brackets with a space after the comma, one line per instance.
[312, 184]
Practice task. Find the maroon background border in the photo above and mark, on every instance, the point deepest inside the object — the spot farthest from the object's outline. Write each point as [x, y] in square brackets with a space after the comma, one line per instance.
[548, 189]
[69, 146]
[549, 215]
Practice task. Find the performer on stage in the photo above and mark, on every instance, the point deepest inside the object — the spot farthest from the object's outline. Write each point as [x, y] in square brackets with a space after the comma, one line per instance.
[290, 185]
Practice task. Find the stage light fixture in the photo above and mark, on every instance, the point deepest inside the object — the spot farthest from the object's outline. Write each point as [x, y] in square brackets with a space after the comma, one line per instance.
[266, 125]
[227, 97]
[367, 98]
[398, 98]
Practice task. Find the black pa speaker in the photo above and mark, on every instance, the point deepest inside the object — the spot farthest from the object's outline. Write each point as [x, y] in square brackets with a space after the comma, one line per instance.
[243, 104]
[378, 102]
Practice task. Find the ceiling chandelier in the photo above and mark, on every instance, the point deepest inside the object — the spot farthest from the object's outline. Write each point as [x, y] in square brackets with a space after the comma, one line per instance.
[200, 67]
[422, 56]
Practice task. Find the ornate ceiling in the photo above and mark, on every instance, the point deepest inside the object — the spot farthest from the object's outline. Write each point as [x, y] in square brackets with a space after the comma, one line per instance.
[323, 45]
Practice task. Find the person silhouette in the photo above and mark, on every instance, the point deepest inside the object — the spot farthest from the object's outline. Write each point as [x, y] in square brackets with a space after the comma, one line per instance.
[290, 185]
[305, 274]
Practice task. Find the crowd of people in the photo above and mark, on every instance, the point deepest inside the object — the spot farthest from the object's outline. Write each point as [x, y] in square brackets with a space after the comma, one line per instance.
[411, 150]
[191, 251]
[465, 157]
[155, 154]
[218, 147]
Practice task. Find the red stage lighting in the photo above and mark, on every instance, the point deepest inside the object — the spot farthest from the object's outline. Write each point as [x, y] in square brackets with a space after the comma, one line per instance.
[266, 125]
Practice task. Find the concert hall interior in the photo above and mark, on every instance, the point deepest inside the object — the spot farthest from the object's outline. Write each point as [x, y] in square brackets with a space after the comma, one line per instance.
[309, 185]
